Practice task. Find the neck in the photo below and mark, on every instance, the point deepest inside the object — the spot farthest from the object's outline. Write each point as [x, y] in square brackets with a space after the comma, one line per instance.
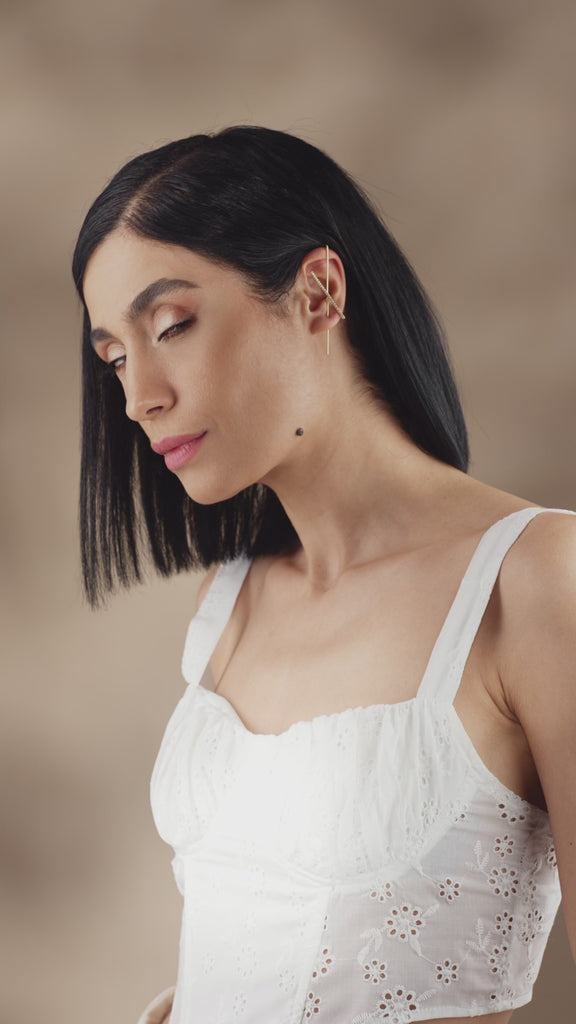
[360, 493]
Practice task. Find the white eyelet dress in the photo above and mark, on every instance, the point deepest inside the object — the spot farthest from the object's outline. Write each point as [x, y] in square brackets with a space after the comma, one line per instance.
[364, 867]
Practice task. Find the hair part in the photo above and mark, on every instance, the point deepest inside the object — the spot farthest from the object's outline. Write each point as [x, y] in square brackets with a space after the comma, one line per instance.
[258, 201]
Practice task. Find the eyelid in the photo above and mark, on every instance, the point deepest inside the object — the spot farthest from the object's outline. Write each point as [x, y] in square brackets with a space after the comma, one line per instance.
[111, 367]
[177, 326]
[109, 353]
[109, 371]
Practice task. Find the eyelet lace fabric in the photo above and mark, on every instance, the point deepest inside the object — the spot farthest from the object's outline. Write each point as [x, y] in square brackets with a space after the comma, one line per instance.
[363, 867]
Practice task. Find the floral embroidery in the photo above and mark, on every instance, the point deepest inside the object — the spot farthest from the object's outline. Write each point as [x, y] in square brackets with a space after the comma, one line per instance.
[208, 963]
[504, 881]
[528, 889]
[298, 901]
[509, 815]
[498, 960]
[239, 1004]
[429, 813]
[447, 972]
[324, 964]
[403, 922]
[449, 889]
[374, 936]
[504, 846]
[397, 1006]
[532, 973]
[458, 810]
[312, 1006]
[504, 999]
[503, 923]
[247, 961]
[287, 981]
[343, 740]
[530, 925]
[382, 891]
[375, 971]
[481, 858]
[390, 862]
[426, 768]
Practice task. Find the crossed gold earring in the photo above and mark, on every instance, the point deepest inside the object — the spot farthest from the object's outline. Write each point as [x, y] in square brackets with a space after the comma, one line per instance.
[329, 300]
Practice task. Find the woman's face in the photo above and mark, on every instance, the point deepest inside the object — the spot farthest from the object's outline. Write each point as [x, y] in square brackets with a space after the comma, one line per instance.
[218, 379]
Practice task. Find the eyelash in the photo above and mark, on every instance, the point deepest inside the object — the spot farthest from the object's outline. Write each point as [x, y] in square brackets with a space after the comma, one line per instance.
[170, 332]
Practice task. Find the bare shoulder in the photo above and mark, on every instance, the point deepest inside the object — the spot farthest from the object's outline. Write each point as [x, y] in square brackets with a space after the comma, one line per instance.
[537, 593]
[538, 631]
[541, 565]
[206, 584]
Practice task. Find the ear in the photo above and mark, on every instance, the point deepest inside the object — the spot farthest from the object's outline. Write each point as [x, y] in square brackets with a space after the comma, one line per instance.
[328, 271]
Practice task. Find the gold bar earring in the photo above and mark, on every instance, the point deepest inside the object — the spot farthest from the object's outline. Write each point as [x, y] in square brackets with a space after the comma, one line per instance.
[329, 299]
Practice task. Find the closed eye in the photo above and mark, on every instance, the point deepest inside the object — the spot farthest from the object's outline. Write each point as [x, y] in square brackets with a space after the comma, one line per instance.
[172, 332]
[114, 365]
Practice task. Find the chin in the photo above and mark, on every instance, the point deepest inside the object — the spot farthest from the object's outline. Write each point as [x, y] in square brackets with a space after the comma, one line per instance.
[214, 492]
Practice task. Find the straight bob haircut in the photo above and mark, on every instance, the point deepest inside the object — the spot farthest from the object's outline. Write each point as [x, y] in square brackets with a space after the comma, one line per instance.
[258, 201]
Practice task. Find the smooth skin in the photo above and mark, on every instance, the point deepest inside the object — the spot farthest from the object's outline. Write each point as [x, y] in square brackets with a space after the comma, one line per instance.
[386, 530]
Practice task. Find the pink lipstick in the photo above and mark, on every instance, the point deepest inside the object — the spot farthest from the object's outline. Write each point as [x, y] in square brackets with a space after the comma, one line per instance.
[177, 451]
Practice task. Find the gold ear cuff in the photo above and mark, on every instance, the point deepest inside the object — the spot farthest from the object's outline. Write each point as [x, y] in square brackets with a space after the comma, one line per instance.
[329, 300]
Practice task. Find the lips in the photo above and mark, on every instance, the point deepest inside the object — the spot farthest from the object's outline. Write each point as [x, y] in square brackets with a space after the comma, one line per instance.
[168, 444]
[179, 449]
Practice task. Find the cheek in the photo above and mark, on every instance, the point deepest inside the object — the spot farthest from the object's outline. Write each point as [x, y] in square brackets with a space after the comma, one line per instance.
[251, 381]
[248, 389]
[265, 405]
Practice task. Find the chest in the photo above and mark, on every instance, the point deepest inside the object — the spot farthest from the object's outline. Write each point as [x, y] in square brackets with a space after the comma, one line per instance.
[287, 655]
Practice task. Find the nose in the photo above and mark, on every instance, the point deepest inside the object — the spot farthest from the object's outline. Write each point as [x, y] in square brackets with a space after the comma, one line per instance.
[148, 393]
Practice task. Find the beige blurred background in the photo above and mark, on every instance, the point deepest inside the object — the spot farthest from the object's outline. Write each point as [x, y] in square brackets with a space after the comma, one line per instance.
[458, 117]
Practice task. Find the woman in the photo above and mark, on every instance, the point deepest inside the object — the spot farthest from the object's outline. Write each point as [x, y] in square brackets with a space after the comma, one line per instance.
[362, 828]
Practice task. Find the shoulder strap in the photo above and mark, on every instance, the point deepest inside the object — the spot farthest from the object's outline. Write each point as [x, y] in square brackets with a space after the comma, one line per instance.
[450, 653]
[208, 623]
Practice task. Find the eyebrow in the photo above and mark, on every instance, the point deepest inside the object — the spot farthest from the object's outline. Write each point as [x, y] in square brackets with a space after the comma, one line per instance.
[142, 301]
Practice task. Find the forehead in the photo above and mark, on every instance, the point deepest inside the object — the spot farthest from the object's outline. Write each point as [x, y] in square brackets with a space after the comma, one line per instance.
[124, 265]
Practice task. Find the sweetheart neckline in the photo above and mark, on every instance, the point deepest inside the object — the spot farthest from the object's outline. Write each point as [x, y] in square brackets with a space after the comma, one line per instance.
[462, 738]
[306, 721]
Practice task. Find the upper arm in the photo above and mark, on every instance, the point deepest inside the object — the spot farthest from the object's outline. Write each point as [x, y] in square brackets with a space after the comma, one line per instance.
[538, 671]
[206, 584]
